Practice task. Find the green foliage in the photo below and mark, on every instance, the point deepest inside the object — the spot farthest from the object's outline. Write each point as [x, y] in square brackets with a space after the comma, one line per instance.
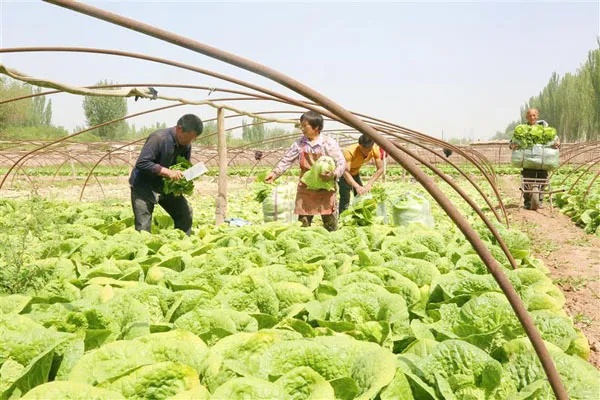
[581, 205]
[312, 178]
[19, 274]
[101, 109]
[181, 186]
[363, 212]
[71, 390]
[263, 136]
[37, 132]
[527, 135]
[270, 311]
[13, 113]
[261, 189]
[26, 112]
[572, 103]
[253, 132]
[508, 131]
[209, 135]
[134, 133]
[378, 192]
[40, 113]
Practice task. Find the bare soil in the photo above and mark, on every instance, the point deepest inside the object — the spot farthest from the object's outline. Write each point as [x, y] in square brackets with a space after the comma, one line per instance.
[571, 255]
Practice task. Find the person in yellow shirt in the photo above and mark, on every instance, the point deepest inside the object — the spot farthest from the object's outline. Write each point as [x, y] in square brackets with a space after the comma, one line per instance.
[356, 156]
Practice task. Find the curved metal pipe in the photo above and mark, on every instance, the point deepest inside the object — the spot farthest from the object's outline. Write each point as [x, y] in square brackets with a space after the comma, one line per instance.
[585, 171]
[572, 156]
[400, 155]
[441, 174]
[589, 187]
[458, 150]
[79, 133]
[102, 158]
[420, 135]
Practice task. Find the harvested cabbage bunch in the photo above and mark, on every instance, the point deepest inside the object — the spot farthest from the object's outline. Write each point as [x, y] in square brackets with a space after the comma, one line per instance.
[181, 186]
[312, 178]
[528, 135]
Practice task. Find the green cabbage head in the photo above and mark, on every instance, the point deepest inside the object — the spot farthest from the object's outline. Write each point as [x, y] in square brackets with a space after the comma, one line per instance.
[312, 178]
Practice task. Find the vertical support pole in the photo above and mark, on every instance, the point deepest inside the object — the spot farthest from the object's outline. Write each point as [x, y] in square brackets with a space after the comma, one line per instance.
[221, 210]
[72, 165]
[129, 166]
[499, 155]
[384, 161]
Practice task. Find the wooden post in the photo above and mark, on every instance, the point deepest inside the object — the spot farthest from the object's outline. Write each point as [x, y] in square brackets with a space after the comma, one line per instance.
[73, 173]
[221, 209]
[499, 155]
[384, 161]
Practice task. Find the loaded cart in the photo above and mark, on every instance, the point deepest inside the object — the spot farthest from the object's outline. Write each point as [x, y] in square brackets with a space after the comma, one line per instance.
[536, 160]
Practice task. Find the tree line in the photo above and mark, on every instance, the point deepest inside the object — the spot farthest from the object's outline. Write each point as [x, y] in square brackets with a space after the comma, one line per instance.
[28, 112]
[570, 103]
[31, 118]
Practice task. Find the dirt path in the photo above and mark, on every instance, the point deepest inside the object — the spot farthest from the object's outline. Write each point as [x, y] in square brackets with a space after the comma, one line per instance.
[572, 256]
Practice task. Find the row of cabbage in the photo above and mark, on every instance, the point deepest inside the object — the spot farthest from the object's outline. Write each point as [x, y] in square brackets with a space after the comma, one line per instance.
[93, 309]
[582, 202]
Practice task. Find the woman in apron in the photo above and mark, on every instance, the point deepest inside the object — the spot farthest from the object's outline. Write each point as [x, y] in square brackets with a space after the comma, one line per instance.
[307, 150]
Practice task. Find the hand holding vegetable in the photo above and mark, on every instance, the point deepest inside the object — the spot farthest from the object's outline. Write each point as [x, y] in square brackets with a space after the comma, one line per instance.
[171, 174]
[361, 190]
[270, 178]
[326, 175]
[174, 182]
[320, 175]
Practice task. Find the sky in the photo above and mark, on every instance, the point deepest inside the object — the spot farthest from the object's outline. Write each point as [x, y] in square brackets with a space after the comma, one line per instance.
[446, 69]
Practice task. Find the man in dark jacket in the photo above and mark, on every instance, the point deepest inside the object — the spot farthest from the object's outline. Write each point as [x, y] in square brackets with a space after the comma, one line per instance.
[146, 181]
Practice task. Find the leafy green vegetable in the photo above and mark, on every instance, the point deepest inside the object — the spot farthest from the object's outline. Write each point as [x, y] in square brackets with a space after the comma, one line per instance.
[378, 192]
[181, 186]
[159, 380]
[305, 383]
[248, 388]
[260, 188]
[526, 135]
[26, 353]
[71, 390]
[522, 366]
[363, 212]
[312, 178]
[272, 310]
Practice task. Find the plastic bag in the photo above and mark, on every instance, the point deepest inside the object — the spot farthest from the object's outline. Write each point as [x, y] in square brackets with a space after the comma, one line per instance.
[542, 157]
[280, 204]
[412, 208]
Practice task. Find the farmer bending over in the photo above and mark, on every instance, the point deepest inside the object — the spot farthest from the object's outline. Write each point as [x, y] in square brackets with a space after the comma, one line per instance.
[160, 151]
[356, 156]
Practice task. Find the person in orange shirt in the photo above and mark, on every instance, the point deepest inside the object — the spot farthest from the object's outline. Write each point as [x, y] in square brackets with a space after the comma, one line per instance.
[356, 156]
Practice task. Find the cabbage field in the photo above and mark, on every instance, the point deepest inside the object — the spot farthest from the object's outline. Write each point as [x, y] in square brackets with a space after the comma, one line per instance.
[92, 309]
